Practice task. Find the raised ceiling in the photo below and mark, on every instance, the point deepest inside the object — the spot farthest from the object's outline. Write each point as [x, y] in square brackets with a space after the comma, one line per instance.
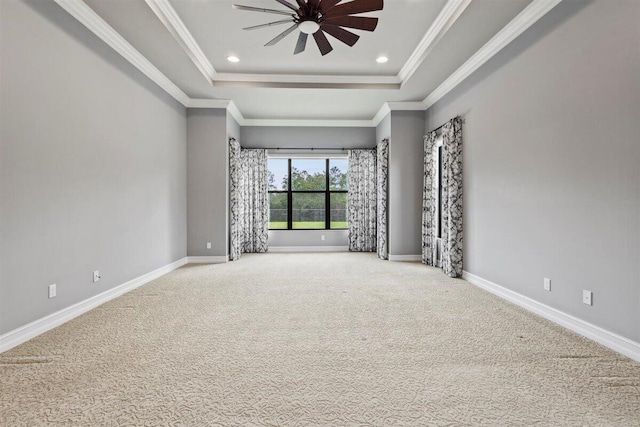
[183, 44]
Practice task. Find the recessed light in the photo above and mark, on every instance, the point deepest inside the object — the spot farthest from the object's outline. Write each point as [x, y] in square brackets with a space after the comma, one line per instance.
[381, 59]
[233, 59]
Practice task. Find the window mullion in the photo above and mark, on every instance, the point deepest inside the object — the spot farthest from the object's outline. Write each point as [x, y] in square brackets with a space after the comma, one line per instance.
[289, 200]
[327, 199]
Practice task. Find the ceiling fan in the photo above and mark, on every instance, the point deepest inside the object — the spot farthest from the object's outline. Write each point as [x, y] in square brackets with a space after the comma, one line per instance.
[318, 17]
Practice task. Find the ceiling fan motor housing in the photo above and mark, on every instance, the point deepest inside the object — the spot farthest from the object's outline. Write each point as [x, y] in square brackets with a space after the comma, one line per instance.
[308, 26]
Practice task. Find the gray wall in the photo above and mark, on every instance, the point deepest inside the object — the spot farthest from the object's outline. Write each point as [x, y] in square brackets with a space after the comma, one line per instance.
[308, 238]
[233, 131]
[383, 130]
[233, 128]
[310, 137]
[313, 137]
[405, 182]
[93, 165]
[207, 182]
[551, 155]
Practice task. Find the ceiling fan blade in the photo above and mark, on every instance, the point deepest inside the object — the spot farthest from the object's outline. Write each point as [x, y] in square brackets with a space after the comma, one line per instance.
[322, 42]
[303, 5]
[255, 27]
[355, 7]
[261, 9]
[325, 5]
[282, 35]
[357, 22]
[289, 5]
[301, 44]
[346, 37]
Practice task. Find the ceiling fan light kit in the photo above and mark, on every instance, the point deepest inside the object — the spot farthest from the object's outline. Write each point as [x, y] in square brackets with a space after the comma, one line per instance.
[318, 17]
[308, 27]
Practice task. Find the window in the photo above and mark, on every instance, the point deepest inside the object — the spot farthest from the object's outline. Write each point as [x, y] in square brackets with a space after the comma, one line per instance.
[308, 193]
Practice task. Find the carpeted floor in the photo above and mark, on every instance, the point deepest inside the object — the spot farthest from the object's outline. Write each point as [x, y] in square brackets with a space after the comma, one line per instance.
[314, 339]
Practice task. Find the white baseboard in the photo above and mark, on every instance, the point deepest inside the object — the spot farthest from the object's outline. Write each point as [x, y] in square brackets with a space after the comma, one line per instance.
[44, 324]
[207, 259]
[405, 258]
[281, 249]
[608, 339]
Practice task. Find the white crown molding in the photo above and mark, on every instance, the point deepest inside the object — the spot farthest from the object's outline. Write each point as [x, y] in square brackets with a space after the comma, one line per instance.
[525, 19]
[311, 78]
[388, 107]
[407, 106]
[90, 19]
[208, 103]
[171, 20]
[600, 335]
[169, 17]
[381, 114]
[443, 22]
[232, 109]
[44, 324]
[226, 104]
[295, 81]
[308, 123]
[235, 113]
[452, 10]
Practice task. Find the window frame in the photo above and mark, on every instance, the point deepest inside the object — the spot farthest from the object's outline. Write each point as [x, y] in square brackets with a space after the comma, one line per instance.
[327, 199]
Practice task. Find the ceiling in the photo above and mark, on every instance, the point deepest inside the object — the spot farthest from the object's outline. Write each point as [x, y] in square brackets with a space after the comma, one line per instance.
[183, 45]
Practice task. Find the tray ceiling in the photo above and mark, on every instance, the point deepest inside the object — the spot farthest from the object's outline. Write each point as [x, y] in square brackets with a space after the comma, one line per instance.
[430, 45]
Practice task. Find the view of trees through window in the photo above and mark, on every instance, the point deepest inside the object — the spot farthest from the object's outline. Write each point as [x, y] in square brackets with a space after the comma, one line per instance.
[314, 198]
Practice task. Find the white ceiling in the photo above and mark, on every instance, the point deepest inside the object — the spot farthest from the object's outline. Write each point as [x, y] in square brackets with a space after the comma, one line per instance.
[397, 35]
[426, 41]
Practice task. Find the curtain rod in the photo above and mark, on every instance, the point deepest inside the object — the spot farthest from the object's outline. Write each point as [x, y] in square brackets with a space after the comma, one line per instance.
[278, 148]
[307, 149]
[442, 125]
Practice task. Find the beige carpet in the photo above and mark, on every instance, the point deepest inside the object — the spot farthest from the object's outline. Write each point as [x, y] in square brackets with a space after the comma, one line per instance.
[314, 339]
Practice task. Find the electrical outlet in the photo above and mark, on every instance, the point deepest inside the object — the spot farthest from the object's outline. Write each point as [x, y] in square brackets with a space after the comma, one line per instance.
[587, 297]
[322, 237]
[52, 291]
[96, 276]
[208, 245]
[547, 284]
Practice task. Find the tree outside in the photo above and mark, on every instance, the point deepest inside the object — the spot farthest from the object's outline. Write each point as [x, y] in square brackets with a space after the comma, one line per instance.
[308, 209]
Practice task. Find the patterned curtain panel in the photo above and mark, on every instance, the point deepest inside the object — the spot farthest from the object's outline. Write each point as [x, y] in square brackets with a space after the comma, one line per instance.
[255, 200]
[429, 198]
[362, 200]
[235, 204]
[452, 198]
[383, 188]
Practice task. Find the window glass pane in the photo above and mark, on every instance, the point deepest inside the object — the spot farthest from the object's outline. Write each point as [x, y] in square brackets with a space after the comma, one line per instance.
[278, 211]
[278, 174]
[308, 210]
[338, 210]
[338, 174]
[308, 174]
